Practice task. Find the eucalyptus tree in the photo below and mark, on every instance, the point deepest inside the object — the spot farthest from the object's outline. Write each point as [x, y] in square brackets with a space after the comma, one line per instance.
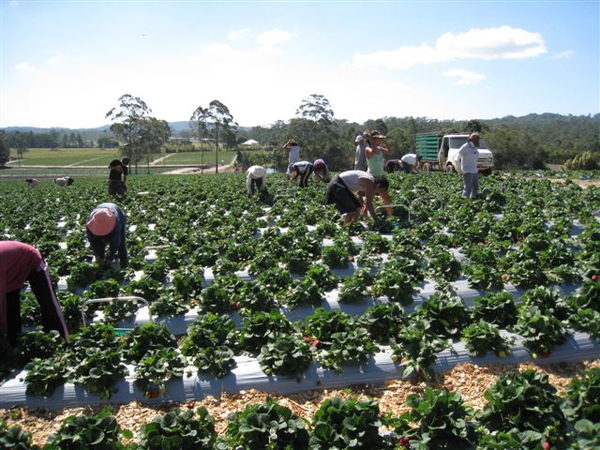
[154, 133]
[128, 123]
[4, 151]
[317, 130]
[215, 119]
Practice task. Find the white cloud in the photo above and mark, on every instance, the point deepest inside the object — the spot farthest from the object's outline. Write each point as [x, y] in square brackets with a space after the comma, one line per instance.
[273, 37]
[492, 43]
[564, 55]
[25, 67]
[238, 35]
[58, 59]
[465, 76]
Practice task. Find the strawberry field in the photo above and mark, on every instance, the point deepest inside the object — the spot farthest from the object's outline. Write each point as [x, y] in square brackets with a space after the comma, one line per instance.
[226, 293]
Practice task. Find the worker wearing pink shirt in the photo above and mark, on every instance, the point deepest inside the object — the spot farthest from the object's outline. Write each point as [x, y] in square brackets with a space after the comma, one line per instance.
[20, 263]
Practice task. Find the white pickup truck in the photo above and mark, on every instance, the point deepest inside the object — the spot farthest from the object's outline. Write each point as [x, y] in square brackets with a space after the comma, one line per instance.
[440, 152]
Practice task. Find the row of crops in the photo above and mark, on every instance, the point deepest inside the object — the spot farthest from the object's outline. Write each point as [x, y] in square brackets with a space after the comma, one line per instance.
[271, 290]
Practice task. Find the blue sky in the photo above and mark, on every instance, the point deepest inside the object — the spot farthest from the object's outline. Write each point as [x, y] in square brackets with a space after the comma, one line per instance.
[66, 63]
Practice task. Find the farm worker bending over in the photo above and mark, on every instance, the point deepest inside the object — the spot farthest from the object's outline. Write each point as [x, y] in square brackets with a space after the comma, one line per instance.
[117, 177]
[467, 156]
[321, 171]
[410, 162]
[33, 182]
[106, 225]
[20, 263]
[302, 170]
[64, 181]
[256, 178]
[346, 192]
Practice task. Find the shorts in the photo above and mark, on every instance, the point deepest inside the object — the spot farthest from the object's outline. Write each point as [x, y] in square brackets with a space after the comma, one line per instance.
[343, 198]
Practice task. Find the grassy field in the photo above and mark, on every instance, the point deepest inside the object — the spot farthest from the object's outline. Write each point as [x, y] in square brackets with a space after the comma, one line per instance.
[93, 162]
[79, 157]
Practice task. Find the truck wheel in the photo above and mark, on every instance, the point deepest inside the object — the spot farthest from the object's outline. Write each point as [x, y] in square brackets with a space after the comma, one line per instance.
[487, 172]
[450, 168]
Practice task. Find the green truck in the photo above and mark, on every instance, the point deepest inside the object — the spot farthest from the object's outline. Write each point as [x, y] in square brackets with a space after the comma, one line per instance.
[440, 152]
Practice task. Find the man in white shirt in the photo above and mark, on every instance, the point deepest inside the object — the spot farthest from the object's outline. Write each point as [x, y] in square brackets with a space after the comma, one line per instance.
[255, 178]
[467, 156]
[410, 162]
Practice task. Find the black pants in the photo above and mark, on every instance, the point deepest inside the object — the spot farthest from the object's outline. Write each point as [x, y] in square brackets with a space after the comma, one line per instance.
[52, 317]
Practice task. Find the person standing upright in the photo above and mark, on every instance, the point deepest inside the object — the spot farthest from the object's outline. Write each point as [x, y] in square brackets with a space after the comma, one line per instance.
[293, 150]
[375, 153]
[467, 156]
[360, 160]
[117, 178]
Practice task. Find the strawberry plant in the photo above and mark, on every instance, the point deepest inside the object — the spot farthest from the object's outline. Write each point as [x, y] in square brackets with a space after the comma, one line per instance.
[354, 288]
[260, 328]
[549, 301]
[322, 276]
[44, 376]
[523, 401]
[352, 346]
[305, 292]
[98, 370]
[417, 348]
[384, 321]
[587, 295]
[209, 330]
[441, 264]
[99, 431]
[541, 332]
[582, 397]
[335, 258]
[287, 356]
[496, 308]
[441, 419]
[39, 344]
[342, 424]
[179, 429]
[394, 284]
[146, 337]
[266, 425]
[218, 296]
[217, 360]
[586, 320]
[483, 337]
[157, 367]
[322, 324]
[15, 437]
[170, 304]
[96, 359]
[445, 313]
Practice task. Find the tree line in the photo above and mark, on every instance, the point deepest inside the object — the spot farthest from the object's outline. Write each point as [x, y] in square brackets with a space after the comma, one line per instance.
[530, 142]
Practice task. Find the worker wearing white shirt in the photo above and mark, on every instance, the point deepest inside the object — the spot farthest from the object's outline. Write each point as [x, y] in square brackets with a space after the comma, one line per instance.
[467, 156]
[256, 178]
[410, 162]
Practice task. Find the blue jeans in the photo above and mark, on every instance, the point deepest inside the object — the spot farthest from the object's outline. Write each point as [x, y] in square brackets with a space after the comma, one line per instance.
[470, 185]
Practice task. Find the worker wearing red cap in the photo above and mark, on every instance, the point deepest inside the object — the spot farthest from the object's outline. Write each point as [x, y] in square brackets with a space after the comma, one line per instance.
[21, 263]
[106, 226]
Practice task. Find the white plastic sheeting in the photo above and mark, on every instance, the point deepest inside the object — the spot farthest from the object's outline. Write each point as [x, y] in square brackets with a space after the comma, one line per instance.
[247, 375]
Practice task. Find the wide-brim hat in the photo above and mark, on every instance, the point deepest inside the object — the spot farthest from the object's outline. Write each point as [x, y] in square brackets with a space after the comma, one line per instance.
[358, 139]
[102, 222]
